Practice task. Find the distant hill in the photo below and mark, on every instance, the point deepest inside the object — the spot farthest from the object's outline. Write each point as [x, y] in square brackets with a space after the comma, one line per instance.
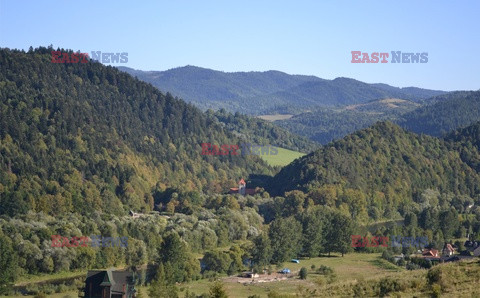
[444, 114]
[410, 93]
[434, 116]
[326, 124]
[269, 92]
[261, 132]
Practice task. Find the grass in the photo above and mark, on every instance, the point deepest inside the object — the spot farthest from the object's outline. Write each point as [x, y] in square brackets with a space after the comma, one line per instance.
[28, 279]
[275, 117]
[365, 273]
[69, 294]
[350, 268]
[283, 158]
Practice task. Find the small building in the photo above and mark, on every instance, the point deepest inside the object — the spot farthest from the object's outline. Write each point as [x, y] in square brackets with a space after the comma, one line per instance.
[242, 189]
[448, 250]
[295, 261]
[109, 284]
[430, 253]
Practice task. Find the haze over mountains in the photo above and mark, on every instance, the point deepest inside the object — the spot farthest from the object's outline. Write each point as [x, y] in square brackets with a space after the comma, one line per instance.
[257, 93]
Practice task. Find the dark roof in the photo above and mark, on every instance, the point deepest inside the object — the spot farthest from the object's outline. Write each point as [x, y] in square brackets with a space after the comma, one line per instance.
[115, 279]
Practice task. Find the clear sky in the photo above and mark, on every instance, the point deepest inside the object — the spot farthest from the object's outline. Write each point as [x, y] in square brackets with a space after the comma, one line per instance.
[297, 37]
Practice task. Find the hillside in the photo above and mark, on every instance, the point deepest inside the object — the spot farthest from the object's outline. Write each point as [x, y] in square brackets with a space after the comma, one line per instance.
[434, 116]
[323, 125]
[467, 142]
[382, 166]
[258, 131]
[83, 137]
[445, 113]
[257, 93]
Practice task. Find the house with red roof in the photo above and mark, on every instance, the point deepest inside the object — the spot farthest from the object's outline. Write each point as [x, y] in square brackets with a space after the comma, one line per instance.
[242, 189]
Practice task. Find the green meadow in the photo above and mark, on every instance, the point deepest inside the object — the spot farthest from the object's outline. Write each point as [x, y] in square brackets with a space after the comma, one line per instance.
[283, 158]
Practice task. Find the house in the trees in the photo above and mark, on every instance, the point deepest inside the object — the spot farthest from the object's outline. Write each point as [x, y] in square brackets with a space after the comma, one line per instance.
[430, 253]
[242, 189]
[109, 284]
[448, 250]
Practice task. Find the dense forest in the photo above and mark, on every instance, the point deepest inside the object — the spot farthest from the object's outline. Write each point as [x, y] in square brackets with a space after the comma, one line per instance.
[444, 114]
[84, 137]
[434, 116]
[323, 125]
[258, 131]
[381, 172]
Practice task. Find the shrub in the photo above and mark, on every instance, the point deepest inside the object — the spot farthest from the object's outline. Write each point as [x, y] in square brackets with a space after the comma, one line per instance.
[387, 285]
[303, 273]
[325, 270]
[436, 291]
[412, 266]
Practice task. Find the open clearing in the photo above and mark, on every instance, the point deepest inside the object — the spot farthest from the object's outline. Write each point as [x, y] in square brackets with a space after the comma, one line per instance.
[275, 117]
[349, 268]
[283, 158]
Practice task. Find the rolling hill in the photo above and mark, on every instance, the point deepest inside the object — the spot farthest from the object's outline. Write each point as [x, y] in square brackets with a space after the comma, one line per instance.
[382, 166]
[269, 92]
[444, 114]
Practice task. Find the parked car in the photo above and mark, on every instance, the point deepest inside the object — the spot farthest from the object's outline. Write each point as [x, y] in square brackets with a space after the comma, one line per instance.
[285, 271]
[295, 261]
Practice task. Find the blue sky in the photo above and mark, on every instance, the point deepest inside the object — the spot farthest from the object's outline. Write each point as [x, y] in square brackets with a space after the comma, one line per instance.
[297, 37]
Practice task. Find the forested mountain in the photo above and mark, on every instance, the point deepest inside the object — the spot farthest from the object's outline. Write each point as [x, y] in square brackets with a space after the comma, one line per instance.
[410, 93]
[258, 93]
[326, 124]
[446, 113]
[257, 131]
[433, 116]
[208, 88]
[382, 169]
[78, 137]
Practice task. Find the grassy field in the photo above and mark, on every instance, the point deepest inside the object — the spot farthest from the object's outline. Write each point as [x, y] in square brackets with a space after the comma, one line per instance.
[355, 274]
[283, 158]
[350, 267]
[276, 117]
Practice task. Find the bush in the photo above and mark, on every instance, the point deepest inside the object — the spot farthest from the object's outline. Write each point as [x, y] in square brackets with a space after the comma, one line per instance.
[436, 291]
[303, 273]
[422, 262]
[324, 270]
[387, 285]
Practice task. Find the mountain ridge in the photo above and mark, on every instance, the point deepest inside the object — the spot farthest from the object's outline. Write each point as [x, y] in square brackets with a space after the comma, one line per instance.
[269, 91]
